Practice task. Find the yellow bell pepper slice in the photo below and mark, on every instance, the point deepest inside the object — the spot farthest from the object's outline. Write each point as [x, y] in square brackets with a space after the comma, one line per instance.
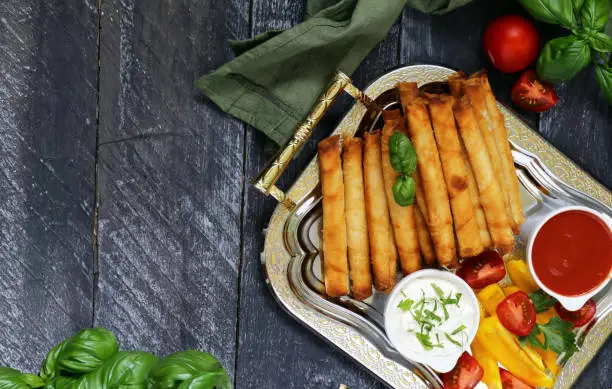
[508, 290]
[548, 356]
[490, 296]
[489, 365]
[520, 276]
[483, 313]
[500, 343]
[532, 353]
[544, 317]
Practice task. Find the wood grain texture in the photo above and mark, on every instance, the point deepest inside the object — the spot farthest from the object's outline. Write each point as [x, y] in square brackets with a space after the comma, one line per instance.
[47, 144]
[170, 179]
[580, 126]
[275, 351]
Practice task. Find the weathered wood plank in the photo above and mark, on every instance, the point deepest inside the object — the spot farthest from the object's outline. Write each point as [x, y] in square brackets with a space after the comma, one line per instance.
[48, 75]
[579, 125]
[170, 178]
[275, 351]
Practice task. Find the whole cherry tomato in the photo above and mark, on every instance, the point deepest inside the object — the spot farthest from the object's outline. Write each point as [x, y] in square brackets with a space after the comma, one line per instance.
[511, 43]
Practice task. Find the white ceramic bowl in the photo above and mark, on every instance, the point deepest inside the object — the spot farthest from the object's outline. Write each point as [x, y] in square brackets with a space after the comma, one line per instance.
[445, 363]
[571, 303]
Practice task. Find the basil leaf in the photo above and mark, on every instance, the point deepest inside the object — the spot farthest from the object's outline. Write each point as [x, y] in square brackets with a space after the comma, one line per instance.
[595, 14]
[608, 28]
[403, 191]
[189, 369]
[402, 154]
[600, 42]
[604, 78]
[13, 379]
[562, 58]
[82, 353]
[552, 11]
[577, 6]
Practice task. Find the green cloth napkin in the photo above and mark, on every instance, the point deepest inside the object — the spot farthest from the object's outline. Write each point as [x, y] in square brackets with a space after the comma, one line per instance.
[278, 75]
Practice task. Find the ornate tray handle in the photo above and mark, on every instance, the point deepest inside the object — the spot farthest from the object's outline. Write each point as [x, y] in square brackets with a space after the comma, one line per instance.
[266, 180]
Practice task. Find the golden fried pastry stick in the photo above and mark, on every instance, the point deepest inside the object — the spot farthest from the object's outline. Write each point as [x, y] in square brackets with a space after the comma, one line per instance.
[402, 218]
[455, 175]
[491, 196]
[474, 90]
[481, 220]
[429, 166]
[356, 221]
[425, 243]
[382, 245]
[500, 134]
[335, 263]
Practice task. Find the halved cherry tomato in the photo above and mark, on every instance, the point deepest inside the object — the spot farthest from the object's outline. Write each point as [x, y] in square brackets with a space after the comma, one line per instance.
[533, 94]
[511, 382]
[484, 269]
[517, 313]
[580, 317]
[511, 43]
[465, 375]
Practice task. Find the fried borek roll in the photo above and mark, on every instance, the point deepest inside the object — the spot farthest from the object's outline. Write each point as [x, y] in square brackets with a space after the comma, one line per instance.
[356, 221]
[429, 166]
[491, 196]
[425, 243]
[335, 262]
[474, 90]
[380, 232]
[481, 220]
[402, 218]
[455, 175]
[500, 134]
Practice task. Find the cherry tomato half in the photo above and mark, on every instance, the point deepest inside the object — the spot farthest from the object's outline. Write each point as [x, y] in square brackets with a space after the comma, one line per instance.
[511, 43]
[509, 381]
[517, 313]
[531, 93]
[465, 375]
[484, 269]
[580, 317]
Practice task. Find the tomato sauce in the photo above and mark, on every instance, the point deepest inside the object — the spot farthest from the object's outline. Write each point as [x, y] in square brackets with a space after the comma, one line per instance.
[572, 253]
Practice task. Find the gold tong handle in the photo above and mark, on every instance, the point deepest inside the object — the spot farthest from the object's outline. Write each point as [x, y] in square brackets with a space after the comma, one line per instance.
[266, 181]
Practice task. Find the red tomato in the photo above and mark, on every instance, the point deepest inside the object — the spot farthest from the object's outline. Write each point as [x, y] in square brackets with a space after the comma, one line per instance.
[484, 269]
[580, 317]
[466, 374]
[533, 94]
[511, 382]
[517, 313]
[511, 43]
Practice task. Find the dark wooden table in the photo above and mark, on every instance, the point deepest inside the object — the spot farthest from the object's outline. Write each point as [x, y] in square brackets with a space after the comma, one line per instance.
[124, 194]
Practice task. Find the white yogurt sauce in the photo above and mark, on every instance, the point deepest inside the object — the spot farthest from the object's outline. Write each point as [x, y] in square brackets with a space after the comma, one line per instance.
[405, 327]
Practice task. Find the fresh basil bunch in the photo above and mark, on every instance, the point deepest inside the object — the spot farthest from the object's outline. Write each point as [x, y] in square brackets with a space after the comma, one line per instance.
[590, 42]
[404, 161]
[91, 360]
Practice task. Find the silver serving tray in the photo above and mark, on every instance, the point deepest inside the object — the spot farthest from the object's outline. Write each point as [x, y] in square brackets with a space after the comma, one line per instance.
[292, 267]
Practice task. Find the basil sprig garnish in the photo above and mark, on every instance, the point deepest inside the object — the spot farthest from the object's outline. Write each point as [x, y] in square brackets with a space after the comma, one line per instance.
[563, 58]
[404, 161]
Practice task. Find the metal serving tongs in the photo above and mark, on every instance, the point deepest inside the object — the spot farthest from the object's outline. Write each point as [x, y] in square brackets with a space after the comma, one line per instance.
[266, 180]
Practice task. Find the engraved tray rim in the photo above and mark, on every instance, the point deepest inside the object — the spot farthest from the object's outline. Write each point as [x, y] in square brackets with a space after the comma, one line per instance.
[561, 173]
